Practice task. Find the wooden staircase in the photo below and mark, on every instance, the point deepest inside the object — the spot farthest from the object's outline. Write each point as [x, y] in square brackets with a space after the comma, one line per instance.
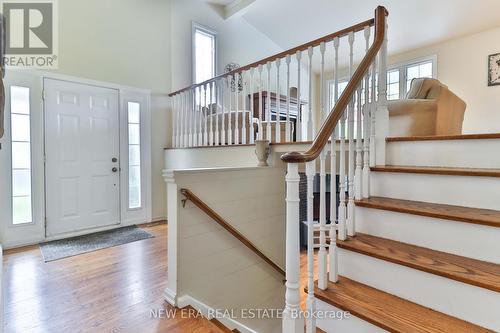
[439, 245]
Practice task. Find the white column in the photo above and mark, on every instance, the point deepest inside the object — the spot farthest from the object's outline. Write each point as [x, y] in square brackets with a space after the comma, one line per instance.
[261, 127]
[366, 127]
[310, 116]
[236, 78]
[268, 103]
[350, 204]
[382, 123]
[311, 301]
[288, 137]
[322, 254]
[292, 319]
[298, 125]
[278, 101]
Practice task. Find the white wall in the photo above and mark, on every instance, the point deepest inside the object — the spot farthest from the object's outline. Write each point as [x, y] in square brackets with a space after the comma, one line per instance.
[214, 267]
[125, 42]
[462, 66]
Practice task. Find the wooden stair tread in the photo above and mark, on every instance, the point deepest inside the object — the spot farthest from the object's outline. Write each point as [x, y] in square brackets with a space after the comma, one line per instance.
[471, 271]
[390, 312]
[478, 172]
[445, 137]
[487, 217]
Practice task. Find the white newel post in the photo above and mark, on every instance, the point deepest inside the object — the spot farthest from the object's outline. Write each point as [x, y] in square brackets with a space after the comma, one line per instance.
[382, 114]
[311, 301]
[293, 321]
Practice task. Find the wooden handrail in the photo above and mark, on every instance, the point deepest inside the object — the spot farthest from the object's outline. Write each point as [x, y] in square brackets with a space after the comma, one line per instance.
[217, 218]
[292, 51]
[333, 118]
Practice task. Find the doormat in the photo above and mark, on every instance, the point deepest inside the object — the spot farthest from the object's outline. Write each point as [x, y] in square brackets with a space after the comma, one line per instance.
[69, 247]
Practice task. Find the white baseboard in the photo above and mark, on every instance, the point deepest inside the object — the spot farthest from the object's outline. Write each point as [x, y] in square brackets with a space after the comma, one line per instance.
[206, 310]
[159, 218]
[170, 296]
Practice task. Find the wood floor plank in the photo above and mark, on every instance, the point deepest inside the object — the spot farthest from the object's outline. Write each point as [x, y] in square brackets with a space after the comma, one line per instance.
[474, 272]
[471, 172]
[448, 212]
[389, 312]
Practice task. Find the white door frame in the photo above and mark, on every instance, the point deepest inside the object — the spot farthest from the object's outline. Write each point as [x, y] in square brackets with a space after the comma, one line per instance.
[15, 236]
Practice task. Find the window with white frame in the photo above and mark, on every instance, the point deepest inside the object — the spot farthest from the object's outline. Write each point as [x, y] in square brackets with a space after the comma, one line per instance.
[22, 211]
[204, 53]
[134, 155]
[418, 70]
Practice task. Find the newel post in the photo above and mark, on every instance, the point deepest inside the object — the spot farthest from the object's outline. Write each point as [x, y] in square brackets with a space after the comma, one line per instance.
[293, 321]
[382, 113]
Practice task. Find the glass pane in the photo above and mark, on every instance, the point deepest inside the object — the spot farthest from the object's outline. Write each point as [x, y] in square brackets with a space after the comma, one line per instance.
[394, 89]
[21, 155]
[133, 113]
[412, 72]
[134, 190]
[204, 55]
[134, 155]
[134, 134]
[393, 76]
[20, 99]
[20, 127]
[21, 183]
[21, 210]
[426, 70]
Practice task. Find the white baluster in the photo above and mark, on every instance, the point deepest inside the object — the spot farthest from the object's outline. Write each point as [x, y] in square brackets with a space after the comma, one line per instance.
[373, 112]
[223, 106]
[174, 120]
[322, 254]
[322, 86]
[261, 127]
[287, 126]
[244, 110]
[205, 115]
[200, 118]
[185, 136]
[268, 103]
[210, 114]
[217, 134]
[250, 114]
[191, 117]
[278, 101]
[342, 181]
[359, 147]
[298, 125]
[382, 124]
[311, 301]
[237, 140]
[310, 117]
[230, 113]
[333, 251]
[350, 204]
[293, 321]
[366, 127]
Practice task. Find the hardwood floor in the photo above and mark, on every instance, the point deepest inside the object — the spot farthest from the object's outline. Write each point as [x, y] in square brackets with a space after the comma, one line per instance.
[110, 290]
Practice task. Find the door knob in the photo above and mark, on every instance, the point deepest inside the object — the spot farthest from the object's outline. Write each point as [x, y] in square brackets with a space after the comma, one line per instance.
[115, 169]
[114, 160]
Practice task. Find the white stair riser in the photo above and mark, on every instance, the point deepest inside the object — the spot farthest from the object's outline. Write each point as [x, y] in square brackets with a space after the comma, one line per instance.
[464, 239]
[476, 192]
[351, 324]
[470, 303]
[449, 153]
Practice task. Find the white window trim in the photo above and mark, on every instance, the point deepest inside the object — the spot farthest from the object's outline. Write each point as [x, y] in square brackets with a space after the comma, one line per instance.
[196, 26]
[402, 72]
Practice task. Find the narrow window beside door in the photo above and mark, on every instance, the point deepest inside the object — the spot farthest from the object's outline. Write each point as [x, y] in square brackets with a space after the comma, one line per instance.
[22, 211]
[134, 155]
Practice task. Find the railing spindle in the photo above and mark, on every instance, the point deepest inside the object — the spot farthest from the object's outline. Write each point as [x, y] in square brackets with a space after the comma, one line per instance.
[174, 120]
[261, 125]
[230, 113]
[310, 120]
[185, 136]
[250, 114]
[210, 114]
[373, 111]
[223, 104]
[243, 110]
[298, 125]
[268, 103]
[237, 140]
[205, 116]
[278, 101]
[311, 301]
[217, 134]
[359, 147]
[287, 125]
[382, 111]
[322, 254]
[350, 132]
[366, 127]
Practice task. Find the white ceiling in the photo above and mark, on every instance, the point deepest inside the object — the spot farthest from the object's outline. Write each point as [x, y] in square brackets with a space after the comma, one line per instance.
[412, 23]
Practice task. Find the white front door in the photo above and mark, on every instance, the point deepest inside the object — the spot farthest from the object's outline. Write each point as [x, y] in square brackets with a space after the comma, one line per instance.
[82, 156]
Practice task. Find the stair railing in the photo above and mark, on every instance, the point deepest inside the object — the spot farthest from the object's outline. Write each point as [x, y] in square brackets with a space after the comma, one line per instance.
[361, 119]
[256, 101]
